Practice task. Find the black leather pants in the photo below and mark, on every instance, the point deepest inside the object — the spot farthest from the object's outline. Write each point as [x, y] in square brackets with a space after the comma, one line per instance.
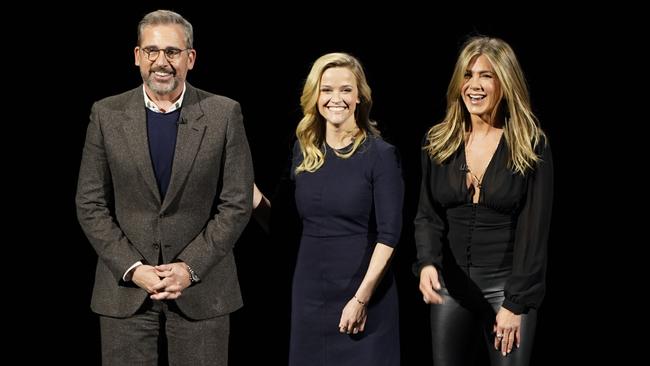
[472, 296]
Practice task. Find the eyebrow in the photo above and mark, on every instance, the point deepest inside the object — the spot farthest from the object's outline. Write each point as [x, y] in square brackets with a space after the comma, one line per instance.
[164, 48]
[480, 71]
[341, 86]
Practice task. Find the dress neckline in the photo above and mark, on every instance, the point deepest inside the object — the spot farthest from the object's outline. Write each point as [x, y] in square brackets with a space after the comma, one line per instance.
[344, 150]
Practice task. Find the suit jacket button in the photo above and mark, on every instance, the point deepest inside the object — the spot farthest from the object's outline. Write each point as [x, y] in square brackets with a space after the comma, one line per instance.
[156, 245]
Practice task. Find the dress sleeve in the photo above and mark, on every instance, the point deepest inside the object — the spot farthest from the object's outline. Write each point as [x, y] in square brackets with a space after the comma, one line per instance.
[429, 225]
[526, 285]
[388, 194]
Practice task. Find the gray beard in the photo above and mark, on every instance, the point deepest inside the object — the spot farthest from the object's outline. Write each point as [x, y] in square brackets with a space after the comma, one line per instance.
[164, 90]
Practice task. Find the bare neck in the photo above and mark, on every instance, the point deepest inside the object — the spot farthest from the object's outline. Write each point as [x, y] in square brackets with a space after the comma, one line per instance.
[340, 136]
[482, 127]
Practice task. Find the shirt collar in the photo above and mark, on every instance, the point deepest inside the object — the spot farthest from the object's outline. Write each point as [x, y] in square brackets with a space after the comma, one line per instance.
[154, 108]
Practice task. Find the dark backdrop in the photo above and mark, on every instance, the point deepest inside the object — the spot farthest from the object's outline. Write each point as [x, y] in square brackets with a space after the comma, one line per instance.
[261, 61]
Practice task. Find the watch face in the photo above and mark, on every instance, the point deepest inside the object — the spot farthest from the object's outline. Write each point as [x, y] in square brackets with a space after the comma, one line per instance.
[193, 276]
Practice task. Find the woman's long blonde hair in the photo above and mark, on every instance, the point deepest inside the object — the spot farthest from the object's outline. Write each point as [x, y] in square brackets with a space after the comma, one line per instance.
[311, 129]
[520, 126]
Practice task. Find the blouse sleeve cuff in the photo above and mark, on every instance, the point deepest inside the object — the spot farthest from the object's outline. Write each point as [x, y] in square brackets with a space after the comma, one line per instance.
[417, 266]
[514, 307]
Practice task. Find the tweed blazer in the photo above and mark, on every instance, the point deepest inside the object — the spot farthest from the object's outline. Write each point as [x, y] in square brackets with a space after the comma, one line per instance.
[206, 207]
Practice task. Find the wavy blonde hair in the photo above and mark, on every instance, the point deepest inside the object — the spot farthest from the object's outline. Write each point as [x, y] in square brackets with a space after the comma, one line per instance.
[520, 126]
[311, 128]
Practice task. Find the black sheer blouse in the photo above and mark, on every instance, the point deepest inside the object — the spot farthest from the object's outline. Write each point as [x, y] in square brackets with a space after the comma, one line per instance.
[508, 227]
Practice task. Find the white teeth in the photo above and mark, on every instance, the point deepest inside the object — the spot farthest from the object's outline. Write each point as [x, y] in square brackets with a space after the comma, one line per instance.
[336, 108]
[162, 73]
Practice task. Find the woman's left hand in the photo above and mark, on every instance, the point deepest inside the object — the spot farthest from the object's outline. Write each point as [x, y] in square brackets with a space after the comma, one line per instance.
[507, 330]
[353, 317]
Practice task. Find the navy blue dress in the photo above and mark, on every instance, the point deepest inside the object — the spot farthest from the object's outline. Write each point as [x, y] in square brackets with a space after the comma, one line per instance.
[346, 207]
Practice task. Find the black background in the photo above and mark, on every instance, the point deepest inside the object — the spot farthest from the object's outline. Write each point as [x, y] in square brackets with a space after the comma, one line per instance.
[260, 56]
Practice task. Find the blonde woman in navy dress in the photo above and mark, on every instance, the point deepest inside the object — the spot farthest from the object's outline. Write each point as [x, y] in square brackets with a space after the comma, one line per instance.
[484, 212]
[349, 193]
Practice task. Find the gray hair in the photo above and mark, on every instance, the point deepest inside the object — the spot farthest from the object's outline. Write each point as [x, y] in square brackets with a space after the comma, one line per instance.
[167, 17]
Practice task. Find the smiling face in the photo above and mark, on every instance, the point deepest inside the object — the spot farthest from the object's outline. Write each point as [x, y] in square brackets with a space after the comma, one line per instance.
[481, 89]
[164, 76]
[338, 96]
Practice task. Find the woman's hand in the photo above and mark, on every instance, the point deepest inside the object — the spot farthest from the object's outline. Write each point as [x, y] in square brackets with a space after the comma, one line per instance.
[429, 285]
[508, 331]
[353, 317]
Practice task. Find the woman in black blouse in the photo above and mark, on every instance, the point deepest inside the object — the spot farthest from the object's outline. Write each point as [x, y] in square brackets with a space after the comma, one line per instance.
[485, 206]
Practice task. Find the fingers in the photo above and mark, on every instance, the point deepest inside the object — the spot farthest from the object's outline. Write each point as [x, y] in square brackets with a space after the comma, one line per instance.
[505, 339]
[353, 317]
[166, 295]
[435, 283]
[429, 285]
[362, 326]
[433, 298]
[164, 267]
[518, 337]
[172, 275]
[509, 343]
[352, 327]
[171, 270]
[168, 284]
[165, 270]
[429, 295]
[497, 339]
[159, 286]
[348, 327]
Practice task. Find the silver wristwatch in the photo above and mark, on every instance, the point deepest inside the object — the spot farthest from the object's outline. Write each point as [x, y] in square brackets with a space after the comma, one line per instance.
[194, 278]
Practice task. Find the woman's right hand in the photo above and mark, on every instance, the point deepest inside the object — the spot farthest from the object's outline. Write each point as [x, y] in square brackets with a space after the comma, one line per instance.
[429, 285]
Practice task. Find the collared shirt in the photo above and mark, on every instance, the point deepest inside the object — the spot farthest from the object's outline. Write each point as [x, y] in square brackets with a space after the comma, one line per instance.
[154, 108]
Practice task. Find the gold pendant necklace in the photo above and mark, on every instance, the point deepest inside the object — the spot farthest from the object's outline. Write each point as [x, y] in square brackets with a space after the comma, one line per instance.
[476, 181]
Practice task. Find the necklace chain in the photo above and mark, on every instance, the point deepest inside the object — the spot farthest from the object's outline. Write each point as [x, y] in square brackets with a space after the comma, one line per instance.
[475, 178]
[476, 181]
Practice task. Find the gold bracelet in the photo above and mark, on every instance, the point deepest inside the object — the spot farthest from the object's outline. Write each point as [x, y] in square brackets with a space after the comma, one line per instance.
[359, 301]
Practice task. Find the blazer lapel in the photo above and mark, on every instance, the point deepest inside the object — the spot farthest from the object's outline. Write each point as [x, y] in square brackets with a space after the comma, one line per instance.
[135, 127]
[188, 140]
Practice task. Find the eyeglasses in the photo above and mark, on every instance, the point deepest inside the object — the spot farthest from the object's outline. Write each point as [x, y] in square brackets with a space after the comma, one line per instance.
[171, 53]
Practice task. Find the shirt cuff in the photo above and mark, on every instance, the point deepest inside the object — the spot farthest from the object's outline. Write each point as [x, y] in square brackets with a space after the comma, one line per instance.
[129, 272]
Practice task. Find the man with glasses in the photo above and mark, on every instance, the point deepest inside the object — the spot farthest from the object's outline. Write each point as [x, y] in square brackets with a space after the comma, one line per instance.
[164, 191]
